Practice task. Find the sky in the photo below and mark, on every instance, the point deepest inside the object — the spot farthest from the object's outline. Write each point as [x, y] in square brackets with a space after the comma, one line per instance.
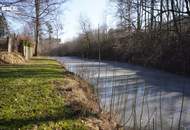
[97, 11]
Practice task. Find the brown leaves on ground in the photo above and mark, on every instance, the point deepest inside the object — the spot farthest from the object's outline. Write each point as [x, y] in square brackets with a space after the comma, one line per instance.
[80, 99]
[11, 58]
[102, 122]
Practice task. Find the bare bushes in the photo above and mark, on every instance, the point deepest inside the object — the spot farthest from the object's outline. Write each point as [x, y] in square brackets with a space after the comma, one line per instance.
[154, 49]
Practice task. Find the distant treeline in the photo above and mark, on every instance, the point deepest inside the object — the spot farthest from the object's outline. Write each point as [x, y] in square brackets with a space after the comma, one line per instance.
[159, 36]
[138, 47]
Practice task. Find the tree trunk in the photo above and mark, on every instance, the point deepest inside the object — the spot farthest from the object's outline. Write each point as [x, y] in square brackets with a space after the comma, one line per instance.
[161, 14]
[138, 15]
[187, 6]
[174, 17]
[152, 14]
[37, 26]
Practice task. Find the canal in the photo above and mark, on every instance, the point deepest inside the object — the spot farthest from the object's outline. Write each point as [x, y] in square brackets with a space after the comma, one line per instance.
[141, 98]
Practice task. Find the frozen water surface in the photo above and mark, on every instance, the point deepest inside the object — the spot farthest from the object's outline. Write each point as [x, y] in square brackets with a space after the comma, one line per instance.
[137, 93]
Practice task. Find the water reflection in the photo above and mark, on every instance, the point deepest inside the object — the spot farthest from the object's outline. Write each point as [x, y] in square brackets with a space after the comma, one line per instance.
[141, 98]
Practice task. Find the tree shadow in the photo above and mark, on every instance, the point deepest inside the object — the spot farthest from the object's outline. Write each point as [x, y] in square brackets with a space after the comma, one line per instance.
[63, 113]
[31, 71]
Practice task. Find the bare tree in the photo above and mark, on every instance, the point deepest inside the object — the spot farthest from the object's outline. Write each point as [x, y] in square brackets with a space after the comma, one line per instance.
[49, 30]
[37, 11]
[86, 30]
[58, 26]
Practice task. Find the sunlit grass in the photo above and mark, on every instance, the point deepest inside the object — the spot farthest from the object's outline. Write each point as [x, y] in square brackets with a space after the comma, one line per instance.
[29, 99]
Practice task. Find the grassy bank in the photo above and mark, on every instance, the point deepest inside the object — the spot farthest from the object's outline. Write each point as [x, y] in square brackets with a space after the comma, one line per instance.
[30, 100]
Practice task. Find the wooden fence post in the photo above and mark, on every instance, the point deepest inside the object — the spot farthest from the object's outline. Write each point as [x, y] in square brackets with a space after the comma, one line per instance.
[9, 44]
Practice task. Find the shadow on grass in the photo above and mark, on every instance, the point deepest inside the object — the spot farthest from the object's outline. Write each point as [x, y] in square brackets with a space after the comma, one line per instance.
[8, 66]
[31, 71]
[43, 59]
[63, 113]
[38, 71]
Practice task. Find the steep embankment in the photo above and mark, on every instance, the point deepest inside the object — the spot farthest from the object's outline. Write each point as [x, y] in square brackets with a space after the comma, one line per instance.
[43, 95]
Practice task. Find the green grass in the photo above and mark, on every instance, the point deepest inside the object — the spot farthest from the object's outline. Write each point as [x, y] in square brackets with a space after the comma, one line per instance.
[28, 98]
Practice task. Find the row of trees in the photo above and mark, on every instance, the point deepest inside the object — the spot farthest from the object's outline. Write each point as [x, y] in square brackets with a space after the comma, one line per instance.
[150, 32]
[40, 16]
[161, 30]
[152, 14]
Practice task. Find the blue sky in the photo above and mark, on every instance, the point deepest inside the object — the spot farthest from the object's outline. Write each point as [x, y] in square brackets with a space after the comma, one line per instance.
[97, 11]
